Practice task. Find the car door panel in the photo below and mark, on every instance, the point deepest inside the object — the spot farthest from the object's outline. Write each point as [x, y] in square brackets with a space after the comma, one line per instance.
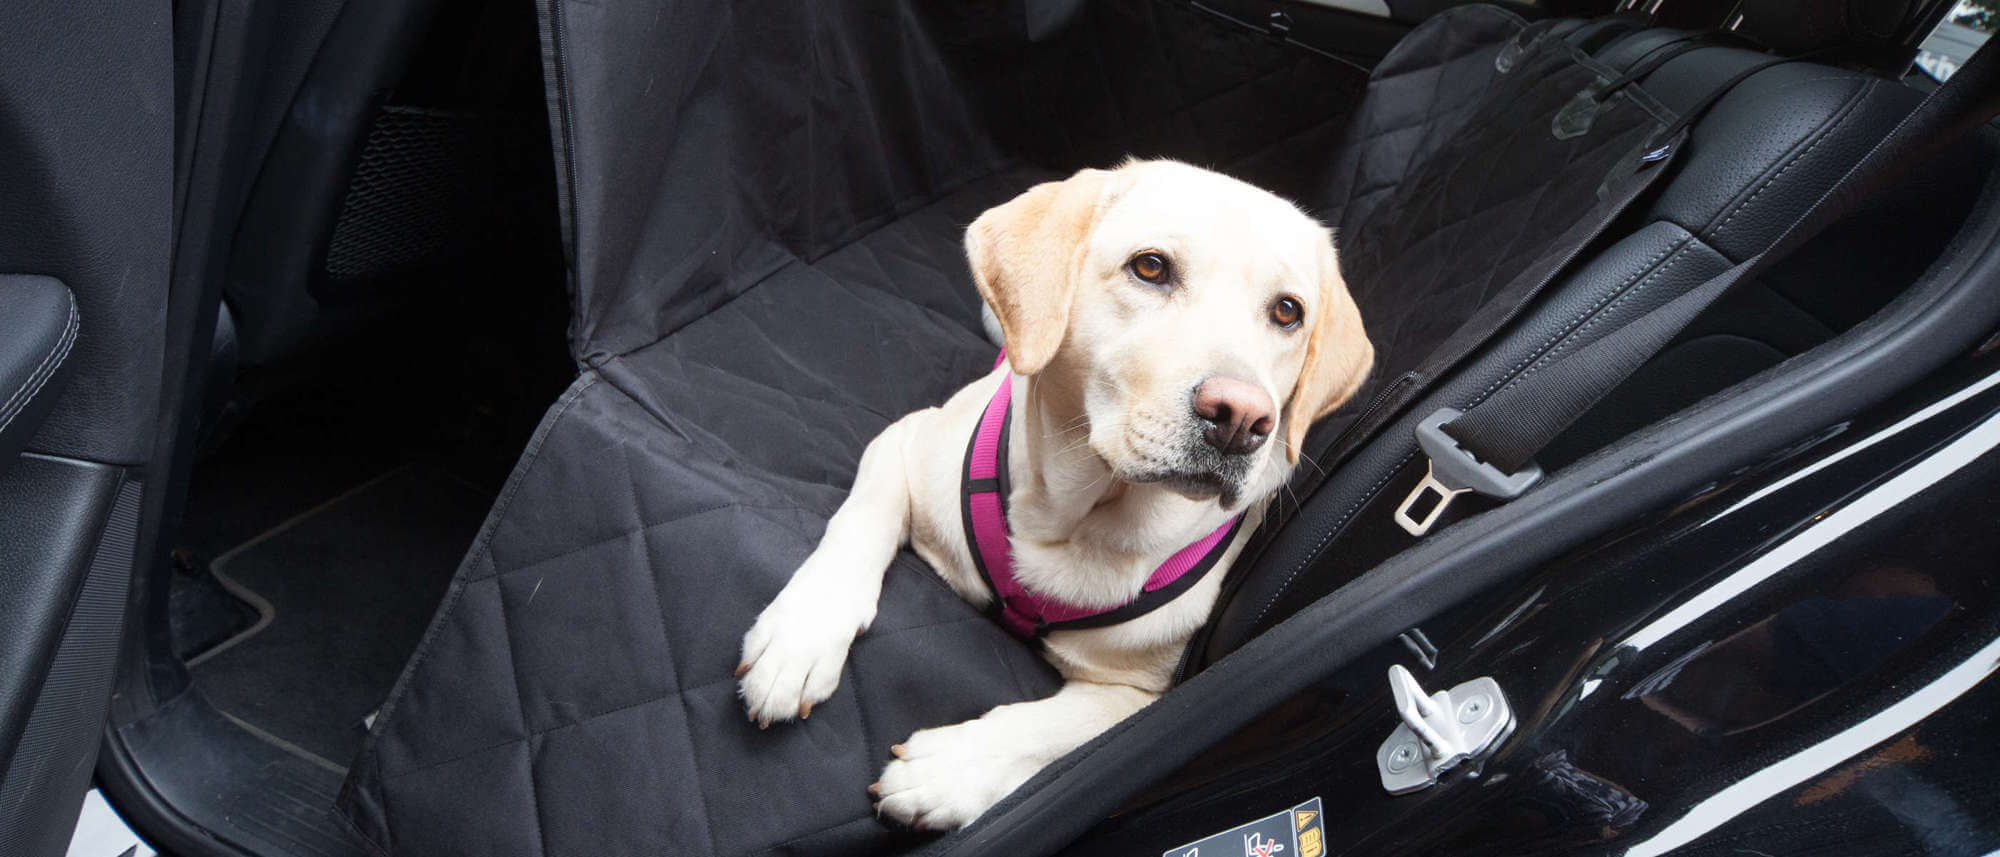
[86, 202]
[65, 557]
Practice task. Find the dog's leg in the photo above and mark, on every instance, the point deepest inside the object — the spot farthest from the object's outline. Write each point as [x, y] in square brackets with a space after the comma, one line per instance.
[793, 654]
[944, 778]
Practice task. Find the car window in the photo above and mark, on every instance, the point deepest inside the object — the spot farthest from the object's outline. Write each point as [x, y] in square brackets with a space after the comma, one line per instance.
[1961, 32]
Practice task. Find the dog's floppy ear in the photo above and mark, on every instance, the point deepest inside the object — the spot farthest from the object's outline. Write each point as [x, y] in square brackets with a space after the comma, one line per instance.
[1025, 254]
[1338, 357]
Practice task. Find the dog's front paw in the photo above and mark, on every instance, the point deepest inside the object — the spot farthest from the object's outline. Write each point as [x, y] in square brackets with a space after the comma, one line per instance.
[793, 654]
[943, 778]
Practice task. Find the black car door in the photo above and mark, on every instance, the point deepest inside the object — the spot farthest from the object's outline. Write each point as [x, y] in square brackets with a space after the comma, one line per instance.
[86, 197]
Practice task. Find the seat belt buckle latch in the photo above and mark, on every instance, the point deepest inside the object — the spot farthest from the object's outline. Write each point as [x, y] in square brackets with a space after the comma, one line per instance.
[1453, 470]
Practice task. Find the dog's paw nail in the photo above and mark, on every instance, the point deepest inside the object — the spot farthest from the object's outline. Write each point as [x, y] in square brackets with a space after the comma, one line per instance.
[805, 709]
[763, 722]
[875, 789]
[742, 668]
[896, 750]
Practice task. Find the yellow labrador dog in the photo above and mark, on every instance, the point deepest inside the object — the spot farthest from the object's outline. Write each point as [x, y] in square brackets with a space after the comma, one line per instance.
[1161, 324]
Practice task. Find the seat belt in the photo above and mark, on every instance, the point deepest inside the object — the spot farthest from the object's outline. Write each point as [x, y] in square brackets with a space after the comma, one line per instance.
[1490, 448]
[1624, 184]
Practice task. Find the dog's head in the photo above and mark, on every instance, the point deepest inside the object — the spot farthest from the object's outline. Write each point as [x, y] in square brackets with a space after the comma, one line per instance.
[1201, 322]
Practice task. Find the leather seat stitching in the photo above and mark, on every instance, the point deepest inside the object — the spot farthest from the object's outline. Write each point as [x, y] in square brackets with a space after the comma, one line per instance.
[1568, 328]
[1621, 297]
[51, 362]
[1825, 132]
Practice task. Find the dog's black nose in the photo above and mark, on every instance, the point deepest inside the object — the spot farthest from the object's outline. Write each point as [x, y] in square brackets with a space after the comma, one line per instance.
[1237, 415]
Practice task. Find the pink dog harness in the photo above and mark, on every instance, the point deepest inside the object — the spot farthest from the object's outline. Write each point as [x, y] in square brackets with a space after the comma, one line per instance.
[1028, 614]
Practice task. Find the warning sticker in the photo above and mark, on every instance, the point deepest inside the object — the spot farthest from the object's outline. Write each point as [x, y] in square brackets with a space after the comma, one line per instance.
[1293, 832]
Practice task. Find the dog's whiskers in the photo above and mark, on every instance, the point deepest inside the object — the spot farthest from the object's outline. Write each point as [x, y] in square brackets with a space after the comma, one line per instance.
[1074, 446]
[1302, 456]
[1066, 428]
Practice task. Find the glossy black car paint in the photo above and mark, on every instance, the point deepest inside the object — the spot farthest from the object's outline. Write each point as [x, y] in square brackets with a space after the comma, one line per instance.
[1791, 660]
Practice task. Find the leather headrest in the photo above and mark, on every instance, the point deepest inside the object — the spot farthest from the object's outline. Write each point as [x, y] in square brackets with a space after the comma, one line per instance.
[1875, 30]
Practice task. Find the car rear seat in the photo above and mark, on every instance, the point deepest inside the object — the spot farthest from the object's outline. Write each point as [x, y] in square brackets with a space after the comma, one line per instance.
[1754, 161]
[574, 693]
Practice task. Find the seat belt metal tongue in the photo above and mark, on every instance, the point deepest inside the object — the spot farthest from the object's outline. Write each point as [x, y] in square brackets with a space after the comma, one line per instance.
[1454, 470]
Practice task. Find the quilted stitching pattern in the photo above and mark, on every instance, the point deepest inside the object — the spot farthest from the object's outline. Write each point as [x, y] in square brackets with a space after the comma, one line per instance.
[1481, 208]
[575, 694]
[1448, 184]
[680, 483]
[1418, 97]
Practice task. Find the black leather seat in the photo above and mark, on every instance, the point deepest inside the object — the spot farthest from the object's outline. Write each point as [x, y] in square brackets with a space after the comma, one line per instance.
[41, 328]
[1755, 160]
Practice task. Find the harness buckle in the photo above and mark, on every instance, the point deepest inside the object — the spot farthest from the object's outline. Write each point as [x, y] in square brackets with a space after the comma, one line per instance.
[1453, 470]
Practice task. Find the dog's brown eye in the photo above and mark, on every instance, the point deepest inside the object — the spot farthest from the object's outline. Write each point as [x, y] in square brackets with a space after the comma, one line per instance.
[1151, 267]
[1287, 313]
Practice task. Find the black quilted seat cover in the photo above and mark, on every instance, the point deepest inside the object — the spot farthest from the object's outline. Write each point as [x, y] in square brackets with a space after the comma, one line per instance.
[1448, 189]
[765, 227]
[575, 695]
